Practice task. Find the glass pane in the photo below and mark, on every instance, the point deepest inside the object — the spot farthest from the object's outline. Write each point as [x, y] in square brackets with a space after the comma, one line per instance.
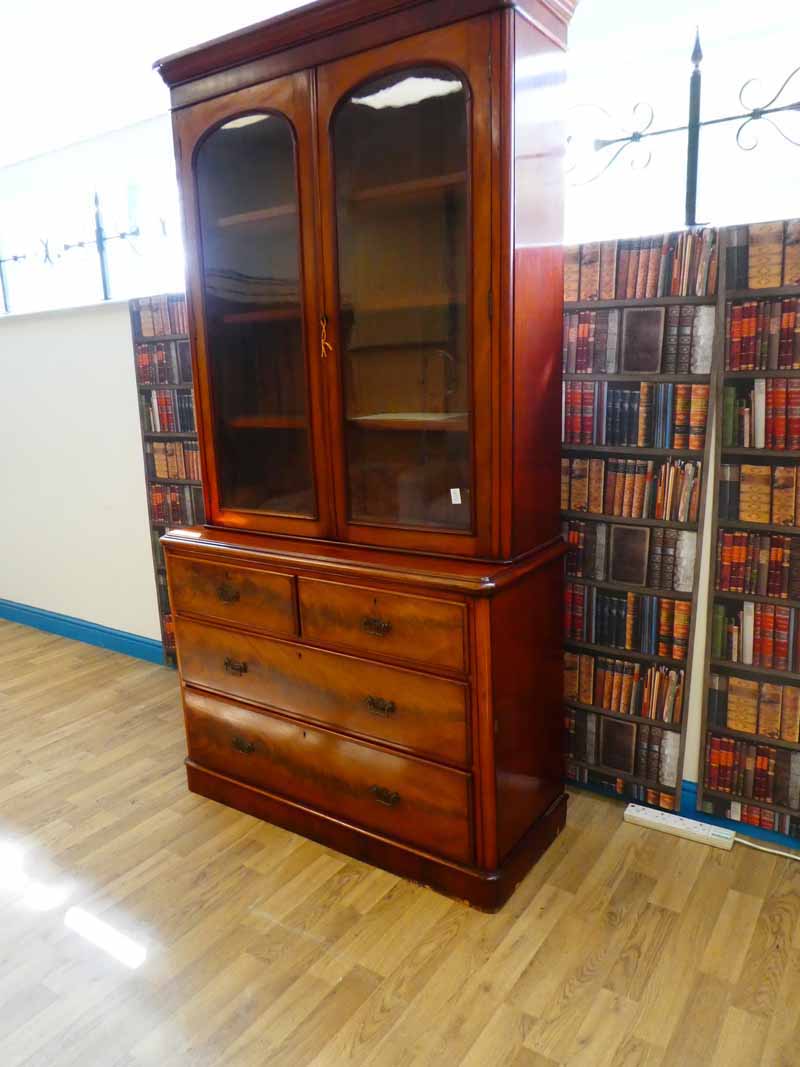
[401, 159]
[251, 273]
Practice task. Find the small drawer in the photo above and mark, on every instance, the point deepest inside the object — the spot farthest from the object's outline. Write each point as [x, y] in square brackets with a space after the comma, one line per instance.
[415, 629]
[408, 799]
[242, 596]
[417, 712]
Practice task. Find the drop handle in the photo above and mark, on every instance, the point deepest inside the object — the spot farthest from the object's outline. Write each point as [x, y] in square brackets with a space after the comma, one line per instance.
[375, 626]
[379, 706]
[235, 666]
[241, 745]
[384, 796]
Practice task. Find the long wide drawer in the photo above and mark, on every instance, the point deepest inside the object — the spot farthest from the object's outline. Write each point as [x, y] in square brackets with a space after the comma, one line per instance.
[416, 629]
[242, 596]
[408, 799]
[416, 711]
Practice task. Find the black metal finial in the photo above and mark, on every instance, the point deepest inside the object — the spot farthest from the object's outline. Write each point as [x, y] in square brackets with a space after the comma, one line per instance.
[697, 51]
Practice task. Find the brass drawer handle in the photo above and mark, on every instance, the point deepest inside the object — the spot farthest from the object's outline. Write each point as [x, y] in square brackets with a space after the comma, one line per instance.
[379, 706]
[227, 593]
[241, 745]
[235, 666]
[385, 796]
[371, 624]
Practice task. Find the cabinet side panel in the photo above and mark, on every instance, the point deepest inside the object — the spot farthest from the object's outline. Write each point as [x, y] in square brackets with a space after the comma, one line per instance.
[527, 685]
[538, 287]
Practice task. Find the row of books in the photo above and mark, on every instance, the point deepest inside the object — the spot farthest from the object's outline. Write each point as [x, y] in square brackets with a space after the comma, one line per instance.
[675, 340]
[622, 686]
[753, 815]
[757, 772]
[158, 316]
[634, 748]
[681, 263]
[663, 415]
[767, 709]
[757, 635]
[762, 335]
[765, 414]
[759, 493]
[635, 622]
[175, 505]
[619, 787]
[631, 555]
[763, 255]
[760, 564]
[167, 411]
[168, 363]
[632, 488]
[173, 459]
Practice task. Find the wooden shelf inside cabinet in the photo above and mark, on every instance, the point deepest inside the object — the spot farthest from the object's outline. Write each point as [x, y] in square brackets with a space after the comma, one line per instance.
[624, 653]
[264, 214]
[750, 802]
[627, 520]
[618, 587]
[425, 303]
[756, 739]
[758, 527]
[265, 315]
[675, 727]
[626, 376]
[455, 421]
[420, 188]
[779, 602]
[634, 779]
[647, 302]
[635, 450]
[267, 422]
[767, 673]
[748, 375]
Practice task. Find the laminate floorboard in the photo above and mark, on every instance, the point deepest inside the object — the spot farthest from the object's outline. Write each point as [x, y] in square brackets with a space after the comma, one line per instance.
[142, 926]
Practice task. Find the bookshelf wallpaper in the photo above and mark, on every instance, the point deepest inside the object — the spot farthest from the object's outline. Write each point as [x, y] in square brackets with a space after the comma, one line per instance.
[169, 434]
[750, 765]
[658, 331]
[639, 329]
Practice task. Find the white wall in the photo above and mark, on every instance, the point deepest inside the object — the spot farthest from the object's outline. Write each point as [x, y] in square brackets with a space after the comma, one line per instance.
[74, 534]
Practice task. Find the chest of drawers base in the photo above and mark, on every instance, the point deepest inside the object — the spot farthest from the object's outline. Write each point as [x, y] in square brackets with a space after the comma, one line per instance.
[402, 710]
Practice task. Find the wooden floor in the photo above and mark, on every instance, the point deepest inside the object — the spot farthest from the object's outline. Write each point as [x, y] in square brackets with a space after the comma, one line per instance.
[140, 925]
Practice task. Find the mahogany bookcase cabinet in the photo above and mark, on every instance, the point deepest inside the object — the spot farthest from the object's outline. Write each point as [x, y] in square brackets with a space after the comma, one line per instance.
[369, 625]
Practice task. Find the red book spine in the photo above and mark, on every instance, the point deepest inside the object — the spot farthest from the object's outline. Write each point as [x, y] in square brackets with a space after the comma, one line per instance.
[758, 622]
[767, 657]
[781, 654]
[587, 413]
[779, 395]
[769, 429]
[735, 338]
[793, 415]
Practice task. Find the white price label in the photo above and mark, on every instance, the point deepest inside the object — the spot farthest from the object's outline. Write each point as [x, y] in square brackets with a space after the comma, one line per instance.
[455, 496]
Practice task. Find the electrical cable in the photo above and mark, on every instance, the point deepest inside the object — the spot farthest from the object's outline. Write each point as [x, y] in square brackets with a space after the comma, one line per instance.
[763, 848]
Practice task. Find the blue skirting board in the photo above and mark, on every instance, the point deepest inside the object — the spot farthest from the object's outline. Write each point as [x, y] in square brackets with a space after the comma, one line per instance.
[91, 633]
[689, 811]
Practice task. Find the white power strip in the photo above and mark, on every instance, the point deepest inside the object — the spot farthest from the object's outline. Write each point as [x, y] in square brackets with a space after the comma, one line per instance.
[680, 827]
